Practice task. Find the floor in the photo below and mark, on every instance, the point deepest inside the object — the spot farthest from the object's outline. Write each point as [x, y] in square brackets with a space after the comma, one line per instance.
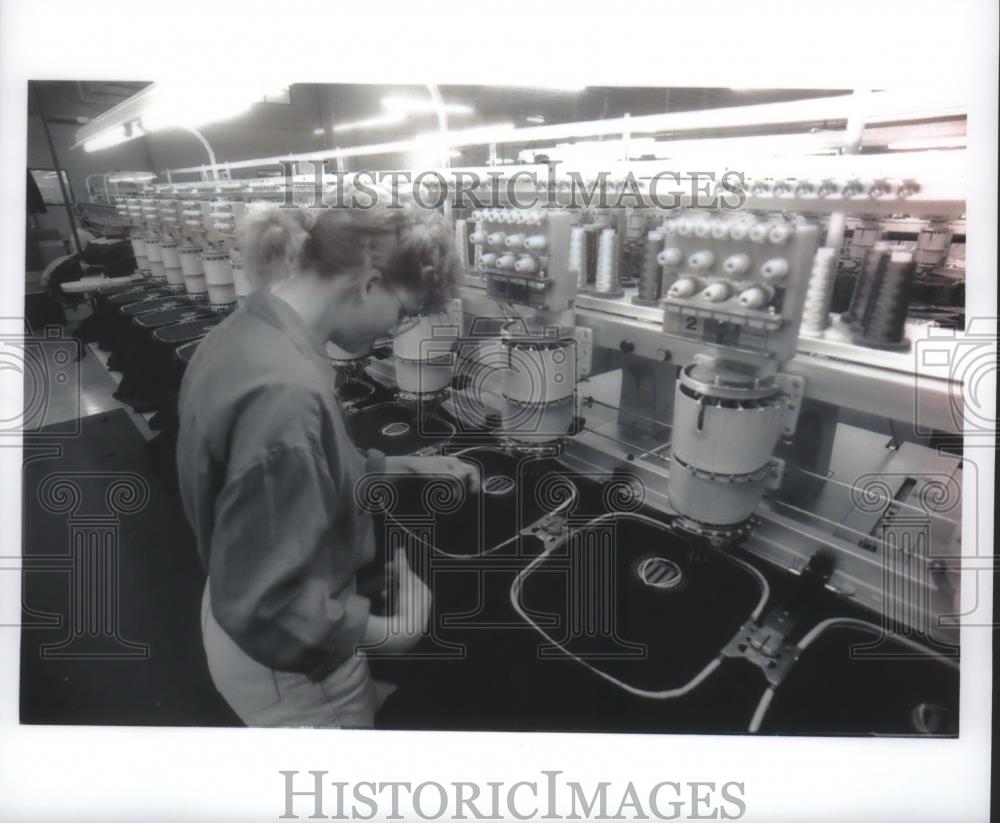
[153, 671]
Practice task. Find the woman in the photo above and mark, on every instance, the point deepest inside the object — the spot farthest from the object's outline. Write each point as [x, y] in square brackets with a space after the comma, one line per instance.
[268, 471]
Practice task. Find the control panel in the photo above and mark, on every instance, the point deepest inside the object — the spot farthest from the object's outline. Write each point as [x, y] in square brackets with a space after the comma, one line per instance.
[524, 257]
[735, 286]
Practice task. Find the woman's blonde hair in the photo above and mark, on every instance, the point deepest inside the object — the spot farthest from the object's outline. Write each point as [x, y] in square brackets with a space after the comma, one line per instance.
[412, 247]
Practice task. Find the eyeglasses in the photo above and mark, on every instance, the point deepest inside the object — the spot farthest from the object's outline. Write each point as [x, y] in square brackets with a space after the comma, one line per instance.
[405, 320]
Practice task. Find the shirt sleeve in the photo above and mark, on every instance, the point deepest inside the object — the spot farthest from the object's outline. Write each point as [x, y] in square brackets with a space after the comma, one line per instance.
[278, 586]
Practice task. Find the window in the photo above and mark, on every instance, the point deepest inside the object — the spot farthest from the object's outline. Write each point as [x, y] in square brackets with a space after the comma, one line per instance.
[48, 185]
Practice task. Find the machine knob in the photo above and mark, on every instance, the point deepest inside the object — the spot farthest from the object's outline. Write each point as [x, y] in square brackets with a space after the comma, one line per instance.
[669, 257]
[701, 260]
[526, 265]
[739, 230]
[717, 292]
[756, 297]
[774, 269]
[627, 346]
[779, 233]
[685, 287]
[720, 229]
[736, 264]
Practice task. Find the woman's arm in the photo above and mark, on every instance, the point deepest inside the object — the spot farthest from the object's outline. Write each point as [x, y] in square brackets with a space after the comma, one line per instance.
[466, 473]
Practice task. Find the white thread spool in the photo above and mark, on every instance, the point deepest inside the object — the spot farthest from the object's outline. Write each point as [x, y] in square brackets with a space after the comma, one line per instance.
[577, 260]
[506, 261]
[606, 281]
[514, 241]
[478, 238]
[462, 243]
[535, 242]
[816, 310]
[488, 260]
[496, 239]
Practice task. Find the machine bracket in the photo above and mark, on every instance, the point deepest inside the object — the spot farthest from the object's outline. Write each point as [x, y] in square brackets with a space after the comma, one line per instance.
[794, 388]
[551, 528]
[763, 644]
[777, 466]
[584, 351]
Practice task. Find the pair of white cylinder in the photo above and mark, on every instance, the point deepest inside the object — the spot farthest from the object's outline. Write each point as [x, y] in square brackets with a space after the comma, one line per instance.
[218, 276]
[193, 271]
[424, 357]
[172, 262]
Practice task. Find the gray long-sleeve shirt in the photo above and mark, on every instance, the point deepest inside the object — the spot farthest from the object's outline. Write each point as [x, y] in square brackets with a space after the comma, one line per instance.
[267, 473]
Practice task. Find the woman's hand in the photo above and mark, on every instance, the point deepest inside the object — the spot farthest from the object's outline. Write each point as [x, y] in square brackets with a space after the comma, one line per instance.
[466, 473]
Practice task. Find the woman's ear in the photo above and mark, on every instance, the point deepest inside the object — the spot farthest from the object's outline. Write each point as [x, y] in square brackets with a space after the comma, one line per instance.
[369, 279]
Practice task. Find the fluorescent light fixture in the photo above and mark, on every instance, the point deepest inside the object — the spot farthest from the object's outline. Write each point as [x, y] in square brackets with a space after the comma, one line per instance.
[415, 105]
[932, 143]
[537, 119]
[131, 177]
[879, 107]
[372, 122]
[173, 104]
[318, 132]
[106, 139]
